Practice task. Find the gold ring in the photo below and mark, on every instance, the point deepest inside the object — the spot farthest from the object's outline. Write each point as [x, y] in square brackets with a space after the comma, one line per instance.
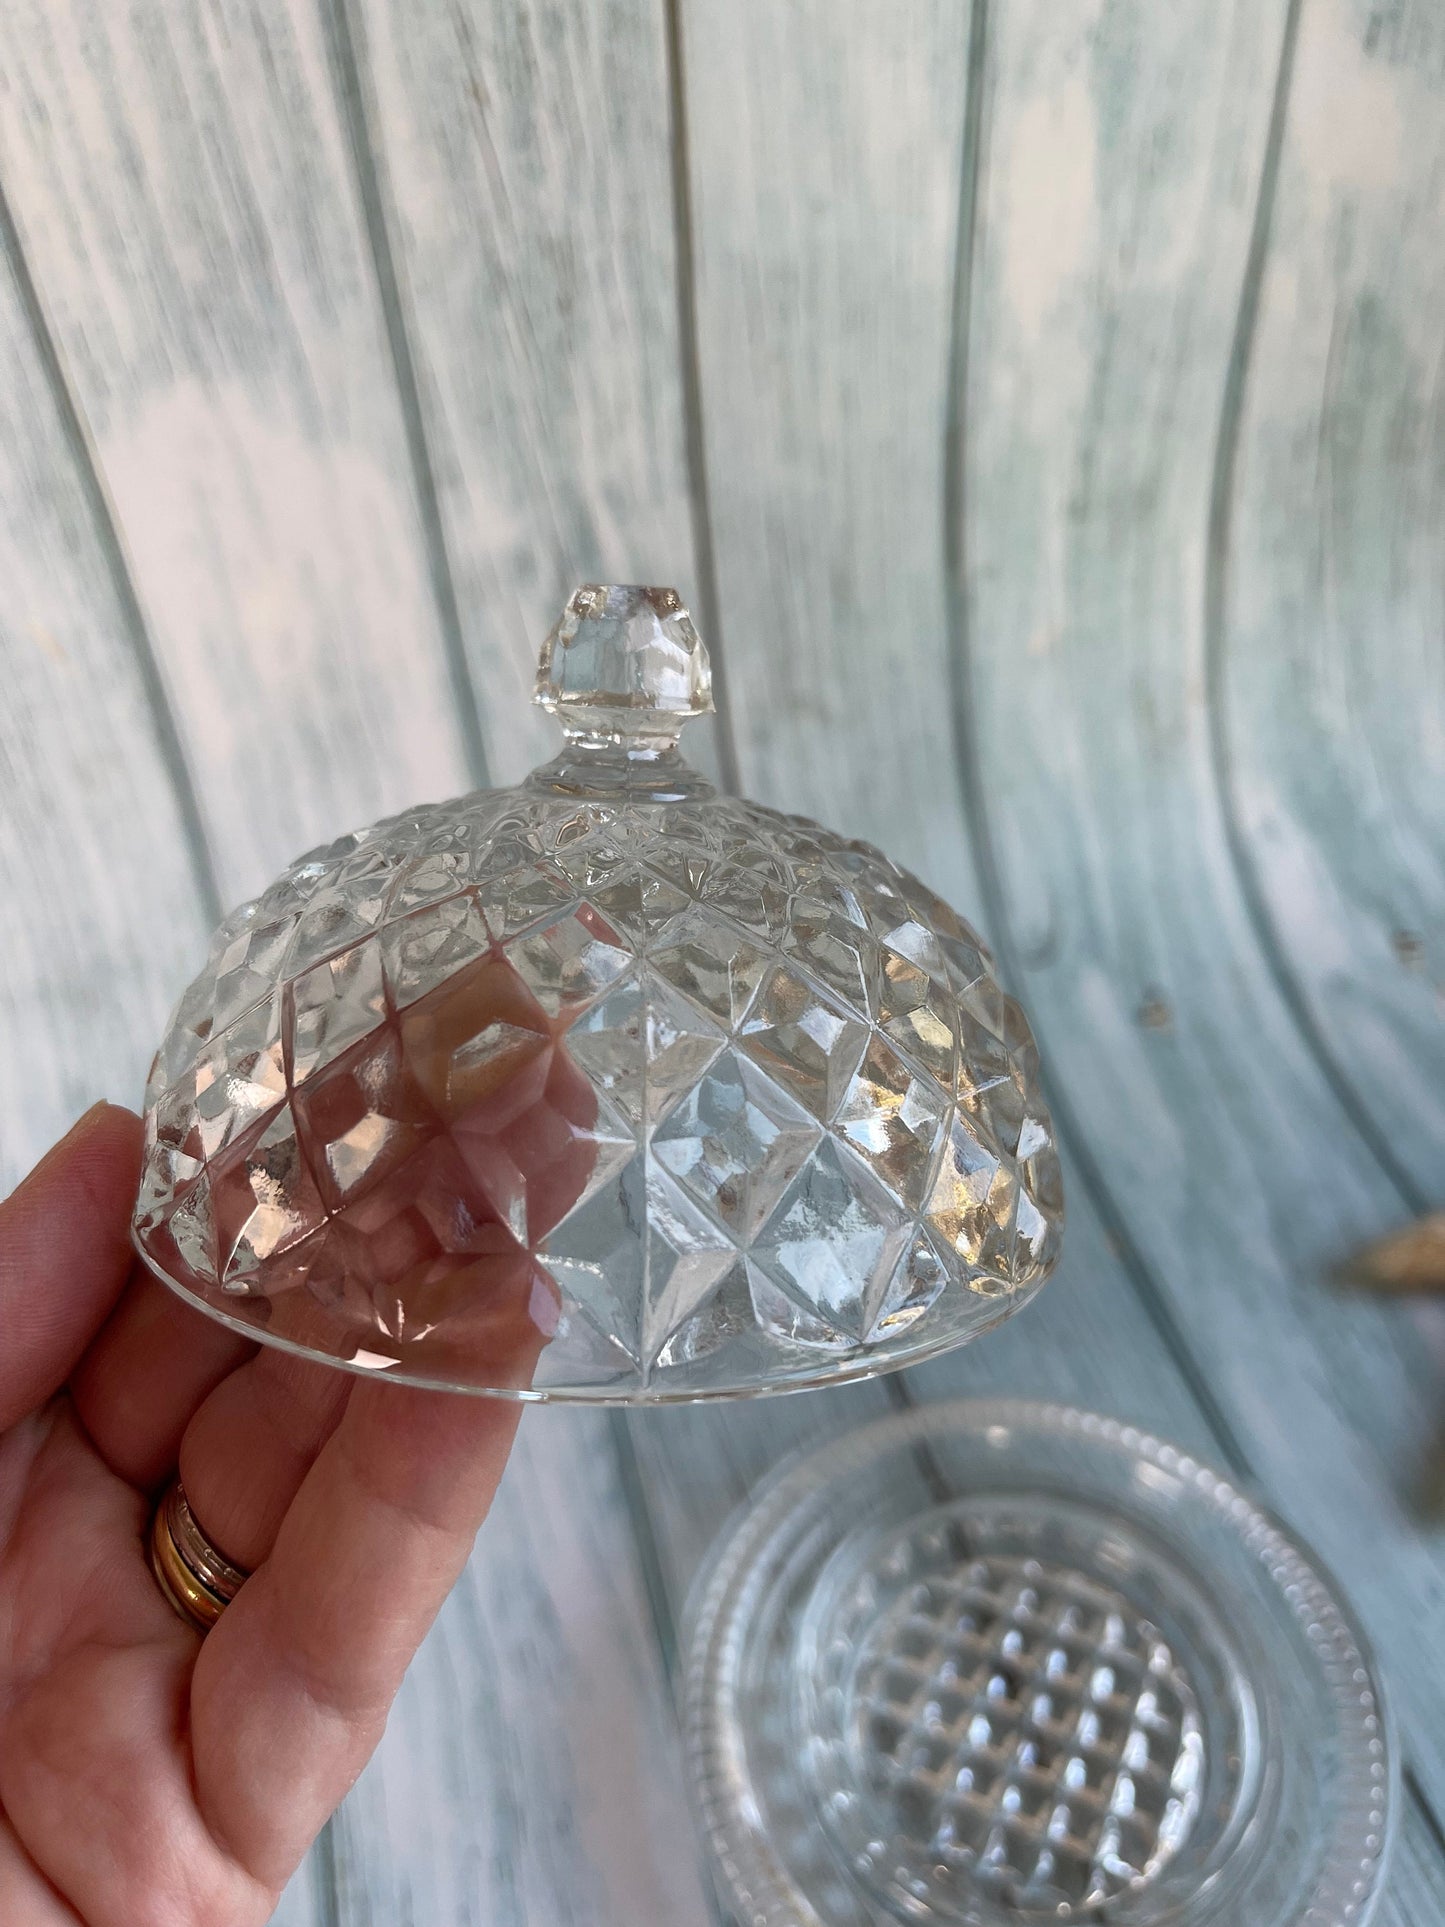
[197, 1579]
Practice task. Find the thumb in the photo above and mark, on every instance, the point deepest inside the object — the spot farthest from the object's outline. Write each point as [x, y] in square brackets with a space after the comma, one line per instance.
[64, 1254]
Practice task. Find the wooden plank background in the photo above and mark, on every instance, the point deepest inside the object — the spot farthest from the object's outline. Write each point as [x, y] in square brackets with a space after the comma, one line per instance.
[1043, 410]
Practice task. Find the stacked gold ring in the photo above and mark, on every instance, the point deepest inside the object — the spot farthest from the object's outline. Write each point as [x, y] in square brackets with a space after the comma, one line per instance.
[198, 1581]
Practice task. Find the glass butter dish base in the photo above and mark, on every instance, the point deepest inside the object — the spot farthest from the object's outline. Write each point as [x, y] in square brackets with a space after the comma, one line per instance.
[995, 1662]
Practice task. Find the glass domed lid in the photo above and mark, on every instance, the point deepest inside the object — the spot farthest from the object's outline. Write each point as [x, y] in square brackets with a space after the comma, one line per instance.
[606, 1086]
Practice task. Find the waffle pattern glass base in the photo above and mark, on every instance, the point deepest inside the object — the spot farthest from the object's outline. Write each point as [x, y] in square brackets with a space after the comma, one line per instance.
[1001, 1662]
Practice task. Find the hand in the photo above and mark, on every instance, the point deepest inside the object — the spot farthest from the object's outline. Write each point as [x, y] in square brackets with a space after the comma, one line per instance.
[147, 1778]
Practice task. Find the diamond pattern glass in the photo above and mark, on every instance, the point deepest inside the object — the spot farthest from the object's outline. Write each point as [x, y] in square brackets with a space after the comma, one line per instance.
[605, 1086]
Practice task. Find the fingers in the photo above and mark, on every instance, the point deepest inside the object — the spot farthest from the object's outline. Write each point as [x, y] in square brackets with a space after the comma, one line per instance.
[101, 1788]
[64, 1254]
[144, 1374]
[27, 1898]
[71, 1571]
[251, 1443]
[95, 1773]
[480, 1314]
[292, 1687]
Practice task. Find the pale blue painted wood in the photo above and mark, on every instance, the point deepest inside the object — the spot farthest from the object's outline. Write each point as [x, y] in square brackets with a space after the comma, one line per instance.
[1222, 1152]
[370, 323]
[824, 170]
[1329, 677]
[180, 183]
[102, 891]
[1109, 223]
[524, 165]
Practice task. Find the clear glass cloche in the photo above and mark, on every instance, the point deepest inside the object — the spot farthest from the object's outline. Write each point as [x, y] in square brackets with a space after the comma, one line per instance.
[606, 1086]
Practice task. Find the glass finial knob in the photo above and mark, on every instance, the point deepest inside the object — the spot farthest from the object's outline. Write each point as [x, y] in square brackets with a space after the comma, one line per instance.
[624, 662]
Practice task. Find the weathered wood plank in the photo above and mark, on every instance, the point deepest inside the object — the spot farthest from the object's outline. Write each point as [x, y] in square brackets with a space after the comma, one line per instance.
[824, 177]
[202, 225]
[1327, 660]
[1114, 227]
[179, 179]
[1415, 1893]
[98, 883]
[104, 879]
[526, 174]
[1121, 150]
[304, 1903]
[523, 176]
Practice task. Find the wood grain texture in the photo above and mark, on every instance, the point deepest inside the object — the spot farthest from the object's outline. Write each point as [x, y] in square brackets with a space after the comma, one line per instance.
[1331, 680]
[1415, 1895]
[1104, 294]
[1068, 404]
[823, 325]
[179, 180]
[98, 883]
[525, 168]
[1121, 153]
[307, 1900]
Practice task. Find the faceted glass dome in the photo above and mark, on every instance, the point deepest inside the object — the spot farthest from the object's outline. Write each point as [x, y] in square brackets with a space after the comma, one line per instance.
[606, 1086]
